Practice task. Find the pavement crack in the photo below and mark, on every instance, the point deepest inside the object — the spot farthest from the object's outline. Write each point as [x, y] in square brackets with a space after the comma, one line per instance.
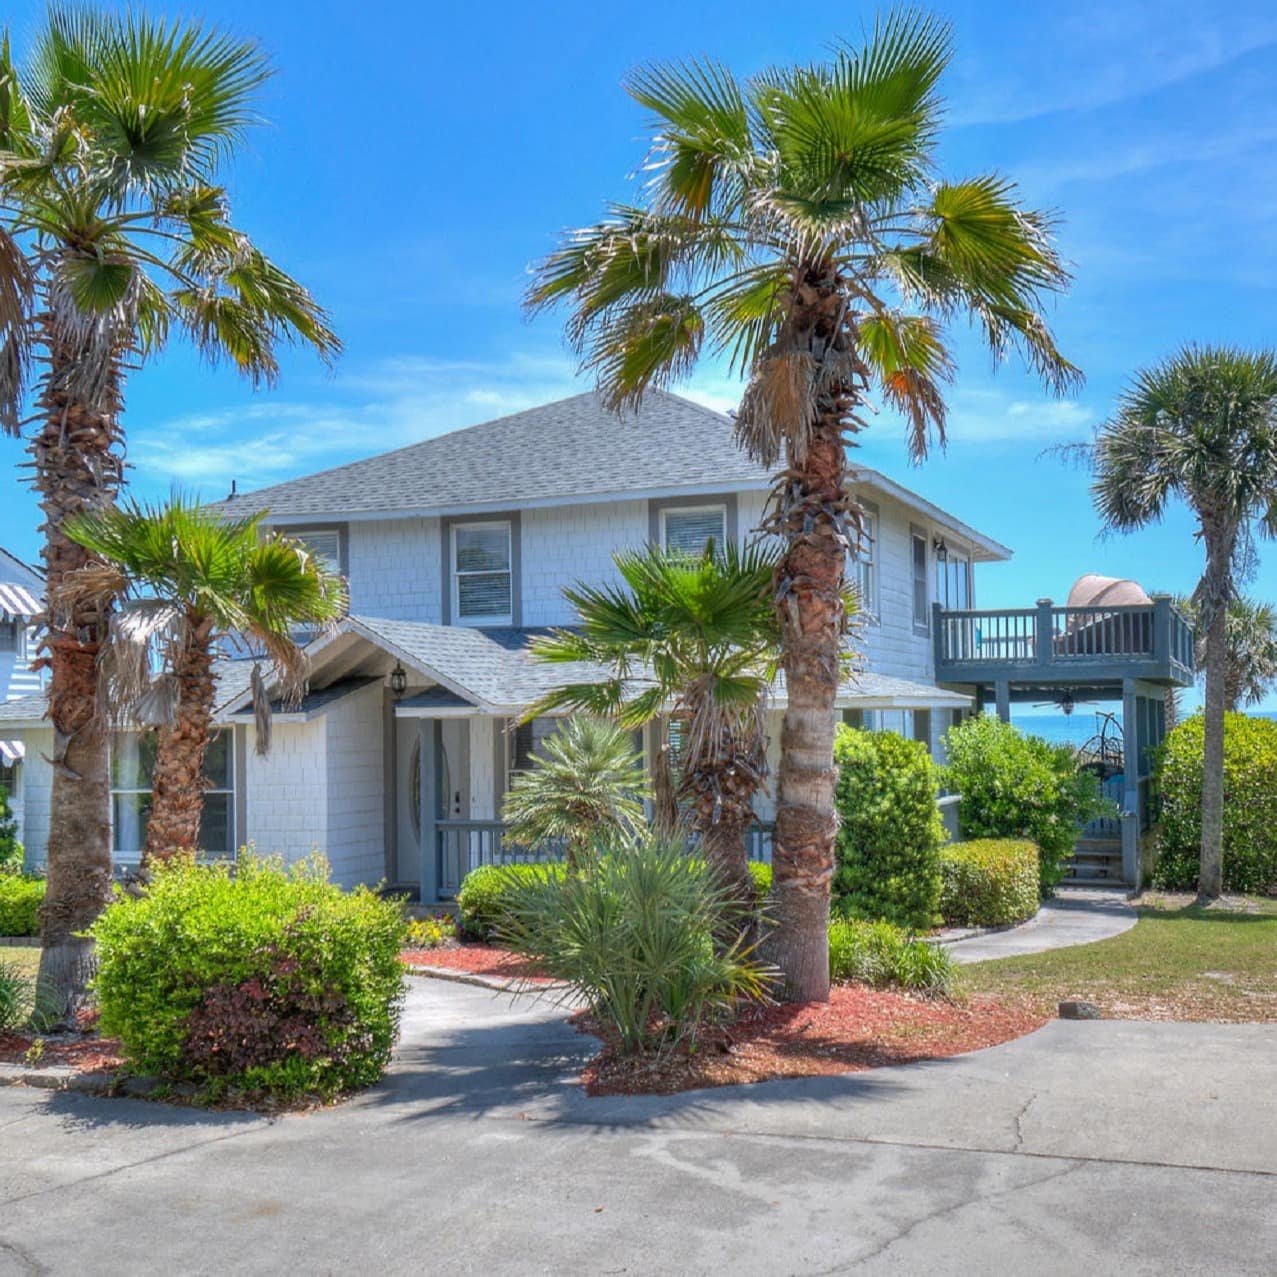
[952, 1209]
[24, 1257]
[1019, 1121]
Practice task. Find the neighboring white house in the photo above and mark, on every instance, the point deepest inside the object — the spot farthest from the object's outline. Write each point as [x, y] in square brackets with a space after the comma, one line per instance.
[456, 551]
[21, 588]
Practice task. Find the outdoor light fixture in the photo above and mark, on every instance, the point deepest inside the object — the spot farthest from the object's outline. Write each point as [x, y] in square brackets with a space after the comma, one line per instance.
[941, 547]
[398, 681]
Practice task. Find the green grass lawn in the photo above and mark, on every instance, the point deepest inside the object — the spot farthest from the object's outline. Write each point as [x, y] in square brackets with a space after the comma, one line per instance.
[1179, 962]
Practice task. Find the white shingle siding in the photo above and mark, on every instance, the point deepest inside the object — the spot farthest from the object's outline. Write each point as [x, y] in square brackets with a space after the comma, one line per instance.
[356, 808]
[285, 805]
[37, 787]
[570, 544]
[393, 567]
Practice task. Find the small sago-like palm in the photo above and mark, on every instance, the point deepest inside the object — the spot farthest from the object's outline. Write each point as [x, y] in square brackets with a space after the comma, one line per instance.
[694, 637]
[185, 580]
[114, 236]
[795, 225]
[585, 790]
[1201, 426]
[1250, 639]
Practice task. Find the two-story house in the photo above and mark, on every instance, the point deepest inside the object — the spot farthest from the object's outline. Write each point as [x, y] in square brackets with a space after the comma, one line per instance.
[456, 550]
[21, 588]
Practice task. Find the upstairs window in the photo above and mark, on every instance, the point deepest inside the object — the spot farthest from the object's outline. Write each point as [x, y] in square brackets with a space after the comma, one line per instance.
[324, 544]
[482, 580]
[953, 578]
[862, 565]
[691, 528]
[918, 560]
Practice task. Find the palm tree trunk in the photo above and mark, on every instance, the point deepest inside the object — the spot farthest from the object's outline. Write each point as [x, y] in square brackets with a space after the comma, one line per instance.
[77, 470]
[812, 503]
[1210, 883]
[177, 786]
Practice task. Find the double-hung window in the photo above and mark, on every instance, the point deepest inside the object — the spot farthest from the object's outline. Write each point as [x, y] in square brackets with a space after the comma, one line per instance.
[691, 528]
[324, 545]
[918, 564]
[953, 578]
[132, 772]
[862, 565]
[482, 576]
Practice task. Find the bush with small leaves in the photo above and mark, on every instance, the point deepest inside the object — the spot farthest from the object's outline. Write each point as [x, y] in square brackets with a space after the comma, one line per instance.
[431, 933]
[989, 882]
[266, 979]
[1250, 806]
[21, 896]
[889, 829]
[481, 902]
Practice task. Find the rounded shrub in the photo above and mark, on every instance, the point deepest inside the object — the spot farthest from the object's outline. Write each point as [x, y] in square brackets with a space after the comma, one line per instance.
[890, 829]
[263, 978]
[878, 953]
[989, 882]
[483, 901]
[761, 876]
[1250, 805]
[20, 899]
[1015, 786]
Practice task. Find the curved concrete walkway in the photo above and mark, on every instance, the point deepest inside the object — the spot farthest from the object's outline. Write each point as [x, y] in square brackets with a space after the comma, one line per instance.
[1076, 915]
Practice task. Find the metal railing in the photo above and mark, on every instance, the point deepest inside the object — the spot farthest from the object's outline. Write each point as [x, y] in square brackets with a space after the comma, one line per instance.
[468, 844]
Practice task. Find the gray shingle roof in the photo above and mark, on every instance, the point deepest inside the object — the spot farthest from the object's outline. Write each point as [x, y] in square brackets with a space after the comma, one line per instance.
[571, 448]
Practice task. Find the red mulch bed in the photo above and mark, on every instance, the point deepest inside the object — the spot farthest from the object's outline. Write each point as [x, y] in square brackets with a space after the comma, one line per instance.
[85, 1051]
[858, 1028]
[475, 959]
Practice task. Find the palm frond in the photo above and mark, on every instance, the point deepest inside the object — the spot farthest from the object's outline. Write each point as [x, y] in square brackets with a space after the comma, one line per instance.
[911, 361]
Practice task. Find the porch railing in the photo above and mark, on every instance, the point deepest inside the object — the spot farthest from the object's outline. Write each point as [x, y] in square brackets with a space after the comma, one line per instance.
[468, 844]
[1153, 635]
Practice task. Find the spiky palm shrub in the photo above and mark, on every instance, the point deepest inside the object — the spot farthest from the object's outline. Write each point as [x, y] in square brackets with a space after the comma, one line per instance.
[185, 580]
[1201, 426]
[584, 790]
[1250, 644]
[634, 938]
[115, 235]
[693, 637]
[795, 225]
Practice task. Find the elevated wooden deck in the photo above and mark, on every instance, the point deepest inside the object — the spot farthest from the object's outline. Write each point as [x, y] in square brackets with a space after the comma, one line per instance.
[1049, 646]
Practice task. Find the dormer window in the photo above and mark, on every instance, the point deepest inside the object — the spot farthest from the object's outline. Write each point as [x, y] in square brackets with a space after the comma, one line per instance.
[691, 528]
[482, 579]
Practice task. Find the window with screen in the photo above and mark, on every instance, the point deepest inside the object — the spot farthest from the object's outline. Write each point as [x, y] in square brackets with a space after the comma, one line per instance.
[691, 528]
[482, 577]
[918, 559]
[862, 564]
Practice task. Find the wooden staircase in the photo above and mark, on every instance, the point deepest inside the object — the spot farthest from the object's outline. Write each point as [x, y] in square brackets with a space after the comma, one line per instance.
[1097, 861]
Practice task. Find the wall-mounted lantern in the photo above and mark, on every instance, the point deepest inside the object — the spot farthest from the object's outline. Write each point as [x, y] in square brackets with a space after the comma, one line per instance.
[398, 680]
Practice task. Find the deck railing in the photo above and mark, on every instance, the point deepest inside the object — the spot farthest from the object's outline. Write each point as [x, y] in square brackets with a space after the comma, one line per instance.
[467, 844]
[1154, 635]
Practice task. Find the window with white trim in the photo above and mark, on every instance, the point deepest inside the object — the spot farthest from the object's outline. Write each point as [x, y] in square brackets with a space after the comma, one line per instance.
[132, 769]
[482, 575]
[918, 563]
[691, 528]
[862, 564]
[323, 543]
[953, 577]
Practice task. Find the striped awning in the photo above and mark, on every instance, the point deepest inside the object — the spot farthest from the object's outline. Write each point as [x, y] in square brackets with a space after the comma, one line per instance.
[17, 602]
[12, 751]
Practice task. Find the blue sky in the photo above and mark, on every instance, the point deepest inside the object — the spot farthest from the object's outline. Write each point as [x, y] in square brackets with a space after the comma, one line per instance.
[415, 158]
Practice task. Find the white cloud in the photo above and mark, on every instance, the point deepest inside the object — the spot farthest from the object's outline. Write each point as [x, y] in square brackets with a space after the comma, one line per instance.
[375, 408]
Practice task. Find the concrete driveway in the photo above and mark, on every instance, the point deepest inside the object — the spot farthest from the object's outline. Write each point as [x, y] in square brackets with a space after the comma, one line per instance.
[1086, 1148]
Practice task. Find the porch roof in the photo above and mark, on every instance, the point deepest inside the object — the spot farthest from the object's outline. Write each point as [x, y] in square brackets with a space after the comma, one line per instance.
[493, 672]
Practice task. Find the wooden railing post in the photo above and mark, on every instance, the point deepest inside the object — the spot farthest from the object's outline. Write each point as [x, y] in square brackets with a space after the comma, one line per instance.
[937, 633]
[1044, 632]
[1162, 628]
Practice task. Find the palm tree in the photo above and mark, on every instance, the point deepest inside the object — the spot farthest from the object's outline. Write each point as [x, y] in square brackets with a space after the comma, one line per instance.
[1250, 640]
[695, 637]
[115, 235]
[1201, 426]
[794, 225]
[585, 789]
[186, 580]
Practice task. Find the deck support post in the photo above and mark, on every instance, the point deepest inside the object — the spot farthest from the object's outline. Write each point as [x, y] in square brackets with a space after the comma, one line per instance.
[1132, 815]
[431, 752]
[1002, 691]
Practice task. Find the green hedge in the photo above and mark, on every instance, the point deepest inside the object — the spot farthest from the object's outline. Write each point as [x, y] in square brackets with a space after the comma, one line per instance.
[1250, 805]
[266, 979]
[878, 953]
[890, 829]
[482, 902]
[1017, 786]
[989, 882]
[20, 900]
